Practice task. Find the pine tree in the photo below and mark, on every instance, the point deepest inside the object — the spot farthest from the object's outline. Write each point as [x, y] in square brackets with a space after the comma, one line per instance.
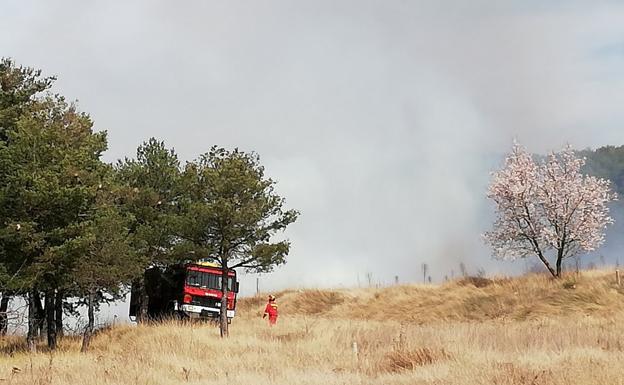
[50, 169]
[150, 196]
[231, 212]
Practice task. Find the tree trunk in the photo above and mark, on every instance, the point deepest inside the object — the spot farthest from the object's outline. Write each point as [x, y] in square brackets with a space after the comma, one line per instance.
[559, 259]
[144, 307]
[33, 322]
[142, 315]
[58, 309]
[560, 251]
[4, 317]
[50, 310]
[40, 313]
[86, 338]
[223, 321]
[545, 262]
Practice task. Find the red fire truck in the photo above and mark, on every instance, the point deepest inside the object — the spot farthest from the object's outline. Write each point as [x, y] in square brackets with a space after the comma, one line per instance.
[190, 290]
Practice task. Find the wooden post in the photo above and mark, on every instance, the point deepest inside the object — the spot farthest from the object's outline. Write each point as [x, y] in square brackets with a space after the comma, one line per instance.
[617, 277]
[257, 285]
[355, 350]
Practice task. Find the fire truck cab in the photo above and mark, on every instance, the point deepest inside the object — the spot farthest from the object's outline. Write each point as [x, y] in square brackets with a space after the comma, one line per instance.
[190, 290]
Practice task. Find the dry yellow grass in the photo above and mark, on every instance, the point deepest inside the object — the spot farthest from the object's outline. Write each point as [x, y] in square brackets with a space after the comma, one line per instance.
[528, 330]
[472, 299]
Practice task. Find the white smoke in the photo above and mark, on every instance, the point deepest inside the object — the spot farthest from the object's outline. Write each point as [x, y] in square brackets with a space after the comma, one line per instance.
[380, 120]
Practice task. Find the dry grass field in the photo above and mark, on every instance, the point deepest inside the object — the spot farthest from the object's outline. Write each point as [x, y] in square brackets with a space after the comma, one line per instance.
[528, 330]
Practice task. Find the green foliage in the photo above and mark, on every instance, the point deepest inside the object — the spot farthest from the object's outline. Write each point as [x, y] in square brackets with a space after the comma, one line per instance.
[230, 211]
[103, 253]
[18, 87]
[51, 170]
[150, 195]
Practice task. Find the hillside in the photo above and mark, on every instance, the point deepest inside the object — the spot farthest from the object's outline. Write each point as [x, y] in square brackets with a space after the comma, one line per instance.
[594, 293]
[528, 330]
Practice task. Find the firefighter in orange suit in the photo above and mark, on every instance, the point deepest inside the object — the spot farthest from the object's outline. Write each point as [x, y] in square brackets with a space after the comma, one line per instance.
[271, 310]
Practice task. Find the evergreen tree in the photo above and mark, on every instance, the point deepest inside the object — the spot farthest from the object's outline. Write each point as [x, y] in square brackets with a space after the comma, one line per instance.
[51, 168]
[231, 212]
[19, 88]
[151, 197]
[104, 260]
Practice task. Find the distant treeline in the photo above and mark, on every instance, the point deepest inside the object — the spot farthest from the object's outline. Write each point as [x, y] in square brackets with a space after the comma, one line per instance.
[607, 162]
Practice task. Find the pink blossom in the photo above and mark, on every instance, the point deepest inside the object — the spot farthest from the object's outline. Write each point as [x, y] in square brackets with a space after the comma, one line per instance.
[547, 207]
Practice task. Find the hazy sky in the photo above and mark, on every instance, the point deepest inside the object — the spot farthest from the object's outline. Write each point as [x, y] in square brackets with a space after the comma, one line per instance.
[380, 120]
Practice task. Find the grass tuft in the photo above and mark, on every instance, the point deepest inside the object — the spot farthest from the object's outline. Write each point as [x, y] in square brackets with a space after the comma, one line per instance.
[405, 359]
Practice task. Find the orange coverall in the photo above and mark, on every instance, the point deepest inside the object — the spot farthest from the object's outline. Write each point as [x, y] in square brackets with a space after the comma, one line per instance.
[271, 311]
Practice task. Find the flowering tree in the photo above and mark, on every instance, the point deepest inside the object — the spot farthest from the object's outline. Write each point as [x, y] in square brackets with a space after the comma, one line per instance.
[547, 208]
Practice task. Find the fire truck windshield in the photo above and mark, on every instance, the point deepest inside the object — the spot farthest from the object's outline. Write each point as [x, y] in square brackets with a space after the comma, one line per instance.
[206, 280]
